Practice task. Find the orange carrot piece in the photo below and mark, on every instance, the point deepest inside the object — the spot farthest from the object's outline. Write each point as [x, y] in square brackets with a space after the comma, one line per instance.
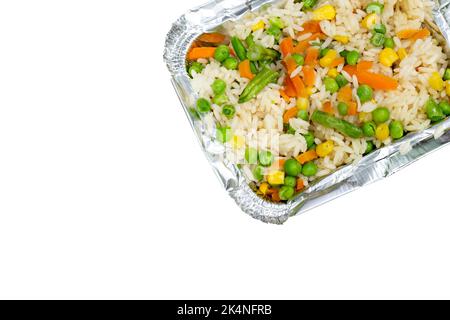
[377, 81]
[328, 107]
[301, 47]
[212, 37]
[245, 71]
[281, 163]
[337, 62]
[286, 46]
[307, 156]
[352, 108]
[290, 64]
[364, 66]
[406, 33]
[351, 70]
[289, 114]
[299, 86]
[312, 56]
[201, 53]
[276, 196]
[309, 75]
[423, 33]
[284, 95]
[345, 94]
[300, 185]
[289, 87]
[311, 26]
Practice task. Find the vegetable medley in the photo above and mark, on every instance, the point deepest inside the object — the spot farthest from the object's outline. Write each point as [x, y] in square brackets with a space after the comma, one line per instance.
[302, 59]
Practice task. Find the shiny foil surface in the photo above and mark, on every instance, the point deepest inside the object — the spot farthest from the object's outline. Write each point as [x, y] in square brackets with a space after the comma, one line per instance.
[373, 167]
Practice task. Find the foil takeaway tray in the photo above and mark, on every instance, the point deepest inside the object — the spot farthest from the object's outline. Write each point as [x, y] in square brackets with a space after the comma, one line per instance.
[373, 167]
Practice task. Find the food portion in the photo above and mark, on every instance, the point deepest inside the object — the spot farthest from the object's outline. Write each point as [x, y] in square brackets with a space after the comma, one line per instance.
[303, 87]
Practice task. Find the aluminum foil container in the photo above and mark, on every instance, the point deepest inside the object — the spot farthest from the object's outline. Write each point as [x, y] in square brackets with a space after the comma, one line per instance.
[376, 166]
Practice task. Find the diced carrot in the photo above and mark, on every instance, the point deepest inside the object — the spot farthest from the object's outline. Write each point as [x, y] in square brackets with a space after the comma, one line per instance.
[351, 70]
[300, 185]
[201, 53]
[352, 108]
[337, 62]
[377, 81]
[421, 34]
[311, 26]
[307, 156]
[345, 94]
[364, 66]
[328, 107]
[299, 86]
[212, 38]
[286, 46]
[301, 47]
[276, 196]
[406, 33]
[245, 71]
[281, 163]
[309, 75]
[290, 64]
[289, 87]
[289, 114]
[312, 56]
[284, 95]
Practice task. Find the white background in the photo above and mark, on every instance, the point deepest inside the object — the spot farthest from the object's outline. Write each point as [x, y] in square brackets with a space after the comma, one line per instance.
[104, 192]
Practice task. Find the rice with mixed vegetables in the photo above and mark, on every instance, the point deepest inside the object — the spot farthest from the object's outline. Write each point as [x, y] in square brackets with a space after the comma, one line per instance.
[302, 87]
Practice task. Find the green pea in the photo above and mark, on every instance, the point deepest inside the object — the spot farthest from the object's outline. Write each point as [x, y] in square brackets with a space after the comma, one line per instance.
[290, 182]
[309, 169]
[277, 22]
[258, 173]
[220, 99]
[266, 158]
[331, 85]
[222, 53]
[396, 129]
[380, 28]
[375, 7]
[292, 167]
[231, 63]
[342, 108]
[369, 129]
[286, 193]
[218, 86]
[344, 53]
[365, 93]
[203, 105]
[251, 156]
[445, 107]
[275, 32]
[381, 115]
[434, 113]
[370, 147]
[309, 137]
[299, 59]
[324, 52]
[352, 58]
[341, 81]
[223, 134]
[309, 4]
[196, 67]
[389, 43]
[303, 114]
[228, 111]
[447, 74]
[377, 40]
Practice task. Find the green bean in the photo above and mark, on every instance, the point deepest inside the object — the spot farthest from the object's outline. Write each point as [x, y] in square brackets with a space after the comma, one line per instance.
[239, 48]
[259, 82]
[249, 40]
[344, 127]
[309, 137]
[253, 67]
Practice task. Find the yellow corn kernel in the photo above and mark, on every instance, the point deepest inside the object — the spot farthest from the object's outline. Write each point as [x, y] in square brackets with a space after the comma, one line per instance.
[402, 54]
[370, 21]
[364, 116]
[382, 132]
[237, 142]
[333, 73]
[436, 81]
[309, 91]
[325, 148]
[264, 187]
[276, 178]
[447, 87]
[342, 39]
[388, 57]
[302, 103]
[259, 25]
[328, 58]
[326, 12]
